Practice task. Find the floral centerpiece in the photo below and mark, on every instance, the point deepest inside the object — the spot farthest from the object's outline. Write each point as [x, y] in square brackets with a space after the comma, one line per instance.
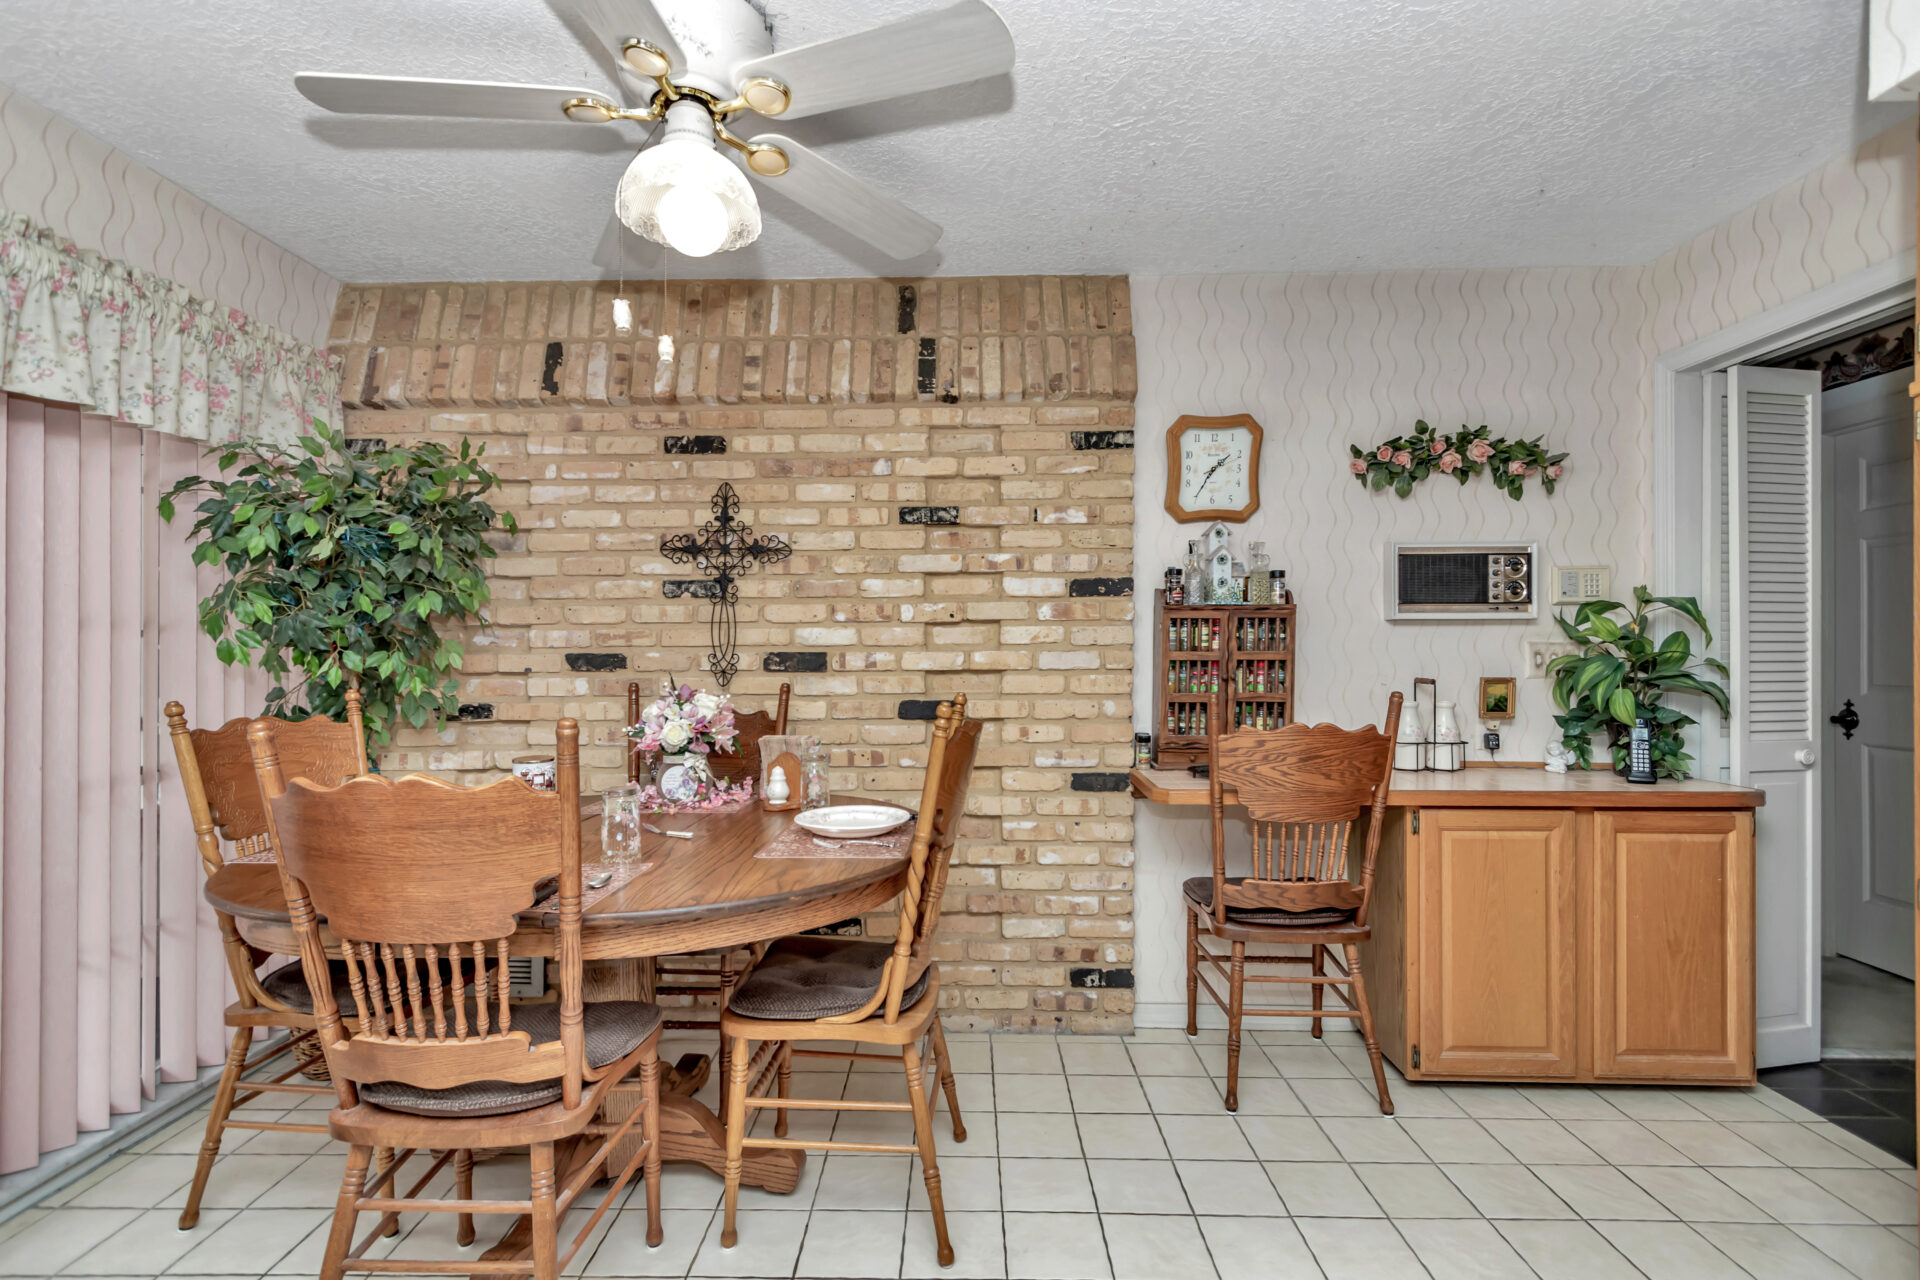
[682, 727]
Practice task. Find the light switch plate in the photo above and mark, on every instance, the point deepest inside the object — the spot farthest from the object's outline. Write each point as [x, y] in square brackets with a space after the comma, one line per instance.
[1541, 652]
[1578, 583]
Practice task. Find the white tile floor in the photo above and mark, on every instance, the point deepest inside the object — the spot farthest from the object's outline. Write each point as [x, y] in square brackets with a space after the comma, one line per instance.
[1099, 1158]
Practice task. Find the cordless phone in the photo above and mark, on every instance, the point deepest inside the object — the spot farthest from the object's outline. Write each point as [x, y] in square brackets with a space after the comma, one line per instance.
[1640, 752]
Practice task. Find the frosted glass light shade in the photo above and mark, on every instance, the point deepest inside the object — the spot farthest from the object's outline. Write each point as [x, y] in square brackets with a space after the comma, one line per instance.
[681, 193]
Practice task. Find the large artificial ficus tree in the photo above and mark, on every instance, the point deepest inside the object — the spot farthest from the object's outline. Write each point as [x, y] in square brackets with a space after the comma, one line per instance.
[339, 564]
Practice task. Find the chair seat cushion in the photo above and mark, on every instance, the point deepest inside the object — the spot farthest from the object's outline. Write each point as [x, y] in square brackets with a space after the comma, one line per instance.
[1199, 891]
[288, 985]
[803, 978]
[614, 1029]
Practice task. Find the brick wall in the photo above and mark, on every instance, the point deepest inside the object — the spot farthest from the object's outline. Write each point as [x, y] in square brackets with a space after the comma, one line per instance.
[952, 463]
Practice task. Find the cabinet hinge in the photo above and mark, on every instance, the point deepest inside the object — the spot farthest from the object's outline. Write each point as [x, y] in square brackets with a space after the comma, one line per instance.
[1416, 822]
[1416, 1057]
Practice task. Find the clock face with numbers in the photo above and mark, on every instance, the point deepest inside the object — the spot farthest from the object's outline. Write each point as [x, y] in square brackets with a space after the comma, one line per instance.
[1213, 468]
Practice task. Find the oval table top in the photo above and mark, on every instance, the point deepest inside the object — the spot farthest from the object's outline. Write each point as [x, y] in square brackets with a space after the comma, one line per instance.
[710, 885]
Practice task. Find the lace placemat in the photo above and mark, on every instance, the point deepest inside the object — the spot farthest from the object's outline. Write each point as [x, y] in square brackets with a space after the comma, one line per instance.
[622, 873]
[265, 855]
[797, 842]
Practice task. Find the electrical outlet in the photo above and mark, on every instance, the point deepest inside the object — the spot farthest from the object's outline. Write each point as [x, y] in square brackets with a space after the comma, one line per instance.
[1541, 652]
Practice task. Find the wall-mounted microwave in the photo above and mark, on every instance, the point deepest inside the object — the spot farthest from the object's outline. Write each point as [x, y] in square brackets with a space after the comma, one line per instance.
[1438, 581]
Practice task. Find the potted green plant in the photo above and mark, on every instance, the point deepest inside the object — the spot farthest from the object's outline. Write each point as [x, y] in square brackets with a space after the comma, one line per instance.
[1621, 674]
[338, 565]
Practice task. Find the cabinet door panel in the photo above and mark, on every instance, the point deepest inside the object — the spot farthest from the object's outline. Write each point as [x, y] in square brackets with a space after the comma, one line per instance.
[1497, 943]
[1672, 945]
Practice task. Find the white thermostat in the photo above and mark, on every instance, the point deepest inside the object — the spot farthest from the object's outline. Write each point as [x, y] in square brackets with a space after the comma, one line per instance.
[1578, 583]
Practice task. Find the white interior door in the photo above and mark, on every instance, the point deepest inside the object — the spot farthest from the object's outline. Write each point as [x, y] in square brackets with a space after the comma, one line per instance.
[1773, 487]
[1869, 675]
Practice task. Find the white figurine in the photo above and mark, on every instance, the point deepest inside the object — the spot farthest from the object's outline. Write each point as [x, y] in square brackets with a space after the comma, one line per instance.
[777, 788]
[1558, 757]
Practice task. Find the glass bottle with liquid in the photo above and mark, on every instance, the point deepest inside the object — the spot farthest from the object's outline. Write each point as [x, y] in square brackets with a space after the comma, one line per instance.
[1259, 575]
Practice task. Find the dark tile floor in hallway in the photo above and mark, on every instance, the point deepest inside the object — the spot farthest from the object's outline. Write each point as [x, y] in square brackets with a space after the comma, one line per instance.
[1872, 1098]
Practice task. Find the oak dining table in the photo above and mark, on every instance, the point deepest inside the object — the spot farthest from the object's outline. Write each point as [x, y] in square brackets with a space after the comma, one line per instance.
[706, 892]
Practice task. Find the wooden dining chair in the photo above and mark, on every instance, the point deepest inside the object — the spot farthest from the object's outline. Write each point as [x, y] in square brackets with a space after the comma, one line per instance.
[712, 975]
[416, 873]
[811, 988]
[223, 800]
[744, 760]
[1305, 789]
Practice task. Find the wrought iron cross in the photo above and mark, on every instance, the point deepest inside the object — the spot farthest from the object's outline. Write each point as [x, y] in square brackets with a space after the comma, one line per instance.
[723, 549]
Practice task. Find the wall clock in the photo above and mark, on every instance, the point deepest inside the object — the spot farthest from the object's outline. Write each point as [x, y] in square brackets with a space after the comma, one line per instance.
[1213, 468]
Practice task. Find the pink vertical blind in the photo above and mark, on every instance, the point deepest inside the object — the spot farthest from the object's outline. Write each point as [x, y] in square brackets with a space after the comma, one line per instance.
[111, 976]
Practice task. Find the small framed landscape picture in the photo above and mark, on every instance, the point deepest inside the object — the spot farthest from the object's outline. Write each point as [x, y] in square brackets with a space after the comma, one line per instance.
[1496, 697]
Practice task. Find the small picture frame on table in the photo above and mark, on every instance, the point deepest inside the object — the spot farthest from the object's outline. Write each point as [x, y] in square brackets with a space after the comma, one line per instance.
[1497, 694]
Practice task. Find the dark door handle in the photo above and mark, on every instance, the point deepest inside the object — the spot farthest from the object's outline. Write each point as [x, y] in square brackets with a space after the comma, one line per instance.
[1848, 719]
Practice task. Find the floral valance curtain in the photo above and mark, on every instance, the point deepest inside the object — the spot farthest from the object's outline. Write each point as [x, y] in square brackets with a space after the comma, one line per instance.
[82, 329]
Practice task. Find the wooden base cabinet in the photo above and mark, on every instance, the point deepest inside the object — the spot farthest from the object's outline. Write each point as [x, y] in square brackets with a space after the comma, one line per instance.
[1672, 972]
[1569, 945]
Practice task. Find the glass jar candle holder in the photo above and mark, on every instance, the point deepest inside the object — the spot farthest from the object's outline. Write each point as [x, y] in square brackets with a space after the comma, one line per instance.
[816, 790]
[620, 830]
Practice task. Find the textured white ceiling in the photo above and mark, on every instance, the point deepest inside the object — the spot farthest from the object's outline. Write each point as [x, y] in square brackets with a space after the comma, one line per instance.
[1147, 136]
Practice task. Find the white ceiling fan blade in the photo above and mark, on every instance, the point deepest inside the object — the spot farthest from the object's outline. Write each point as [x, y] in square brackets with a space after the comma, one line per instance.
[963, 41]
[853, 204]
[475, 99]
[614, 22]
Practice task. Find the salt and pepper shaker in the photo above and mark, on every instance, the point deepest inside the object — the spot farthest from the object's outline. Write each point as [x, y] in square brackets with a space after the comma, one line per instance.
[778, 789]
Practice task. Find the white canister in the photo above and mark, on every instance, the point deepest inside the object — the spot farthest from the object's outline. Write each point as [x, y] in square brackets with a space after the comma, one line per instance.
[1445, 727]
[1406, 751]
[535, 771]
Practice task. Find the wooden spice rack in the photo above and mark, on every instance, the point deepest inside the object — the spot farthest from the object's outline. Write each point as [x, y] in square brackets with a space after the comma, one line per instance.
[1215, 661]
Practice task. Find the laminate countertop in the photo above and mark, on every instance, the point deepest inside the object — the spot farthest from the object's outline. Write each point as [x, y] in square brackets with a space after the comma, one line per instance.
[1518, 787]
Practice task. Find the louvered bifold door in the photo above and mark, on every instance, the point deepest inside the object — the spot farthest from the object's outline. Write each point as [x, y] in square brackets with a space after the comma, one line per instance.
[1773, 472]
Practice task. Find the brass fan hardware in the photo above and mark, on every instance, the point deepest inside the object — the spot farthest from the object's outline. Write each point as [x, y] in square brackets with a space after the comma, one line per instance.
[765, 97]
[645, 59]
[767, 161]
[759, 95]
[588, 110]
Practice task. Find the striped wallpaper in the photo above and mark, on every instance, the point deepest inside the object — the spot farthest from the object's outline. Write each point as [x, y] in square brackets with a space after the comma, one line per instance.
[104, 200]
[1327, 360]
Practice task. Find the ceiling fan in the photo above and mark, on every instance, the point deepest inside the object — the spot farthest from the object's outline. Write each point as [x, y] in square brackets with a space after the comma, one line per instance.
[699, 64]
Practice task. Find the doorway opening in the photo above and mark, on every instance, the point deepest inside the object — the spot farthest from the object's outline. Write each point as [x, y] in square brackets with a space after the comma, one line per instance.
[1806, 561]
[1866, 563]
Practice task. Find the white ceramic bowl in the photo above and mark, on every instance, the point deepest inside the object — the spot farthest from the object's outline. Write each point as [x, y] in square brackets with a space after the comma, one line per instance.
[850, 820]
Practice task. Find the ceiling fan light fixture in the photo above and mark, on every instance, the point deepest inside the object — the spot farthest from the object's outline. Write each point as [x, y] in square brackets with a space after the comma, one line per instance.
[682, 193]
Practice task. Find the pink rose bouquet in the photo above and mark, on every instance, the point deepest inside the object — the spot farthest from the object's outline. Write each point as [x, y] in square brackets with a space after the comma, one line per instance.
[685, 719]
[1403, 462]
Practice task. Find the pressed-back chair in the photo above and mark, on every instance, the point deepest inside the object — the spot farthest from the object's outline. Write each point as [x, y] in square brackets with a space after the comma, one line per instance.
[722, 969]
[1305, 788]
[809, 988]
[414, 874]
[223, 800]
